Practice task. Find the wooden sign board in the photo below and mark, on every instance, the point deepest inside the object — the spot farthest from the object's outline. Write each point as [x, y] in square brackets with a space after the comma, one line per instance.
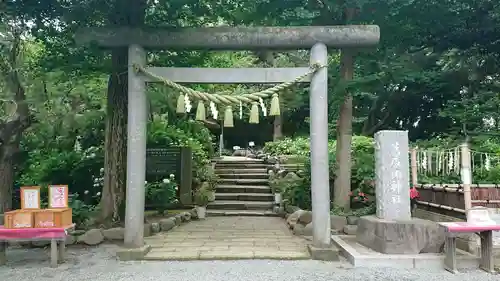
[161, 162]
[58, 196]
[19, 219]
[30, 197]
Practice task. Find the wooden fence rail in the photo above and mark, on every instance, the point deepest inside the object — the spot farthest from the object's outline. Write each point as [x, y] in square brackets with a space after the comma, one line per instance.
[450, 198]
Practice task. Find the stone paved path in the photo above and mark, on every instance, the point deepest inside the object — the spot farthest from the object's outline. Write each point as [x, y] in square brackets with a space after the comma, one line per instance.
[228, 238]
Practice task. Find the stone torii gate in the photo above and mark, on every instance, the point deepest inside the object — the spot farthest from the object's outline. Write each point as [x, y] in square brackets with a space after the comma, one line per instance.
[317, 39]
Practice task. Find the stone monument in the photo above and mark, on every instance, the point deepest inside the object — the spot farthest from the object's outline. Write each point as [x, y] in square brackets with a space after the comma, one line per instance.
[392, 230]
[392, 177]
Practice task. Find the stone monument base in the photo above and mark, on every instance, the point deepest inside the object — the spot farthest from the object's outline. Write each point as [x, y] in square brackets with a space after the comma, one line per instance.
[413, 236]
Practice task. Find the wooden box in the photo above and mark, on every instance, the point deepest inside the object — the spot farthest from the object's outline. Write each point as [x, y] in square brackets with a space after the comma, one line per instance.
[48, 218]
[19, 219]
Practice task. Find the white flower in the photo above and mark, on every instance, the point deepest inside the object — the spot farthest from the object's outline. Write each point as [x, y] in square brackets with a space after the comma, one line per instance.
[166, 181]
[236, 147]
[98, 194]
[172, 176]
[251, 144]
[96, 185]
[86, 192]
[101, 170]
[176, 187]
[145, 182]
[92, 155]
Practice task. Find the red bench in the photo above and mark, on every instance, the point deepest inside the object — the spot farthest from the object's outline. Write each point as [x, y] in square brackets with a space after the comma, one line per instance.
[54, 235]
[485, 231]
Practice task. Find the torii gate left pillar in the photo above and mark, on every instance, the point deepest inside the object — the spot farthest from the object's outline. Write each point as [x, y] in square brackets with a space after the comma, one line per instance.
[317, 39]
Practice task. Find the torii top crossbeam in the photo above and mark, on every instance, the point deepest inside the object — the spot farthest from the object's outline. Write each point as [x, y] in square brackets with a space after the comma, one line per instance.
[233, 38]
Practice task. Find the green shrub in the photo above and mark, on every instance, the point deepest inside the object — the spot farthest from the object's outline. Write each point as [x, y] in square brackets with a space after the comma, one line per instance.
[161, 195]
[288, 146]
[298, 191]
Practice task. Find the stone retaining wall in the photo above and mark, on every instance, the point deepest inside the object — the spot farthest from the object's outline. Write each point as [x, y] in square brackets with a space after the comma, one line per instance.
[97, 236]
[300, 222]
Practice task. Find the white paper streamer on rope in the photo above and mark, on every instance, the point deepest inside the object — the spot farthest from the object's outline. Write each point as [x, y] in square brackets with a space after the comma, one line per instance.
[187, 103]
[263, 107]
[487, 162]
[424, 162]
[213, 110]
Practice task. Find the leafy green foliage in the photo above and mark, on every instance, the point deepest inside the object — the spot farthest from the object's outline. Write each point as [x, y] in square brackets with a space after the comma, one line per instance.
[161, 195]
[202, 196]
[298, 191]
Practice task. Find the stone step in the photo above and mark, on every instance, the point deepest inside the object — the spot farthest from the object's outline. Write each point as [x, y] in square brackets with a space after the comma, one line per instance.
[242, 213]
[240, 171]
[244, 181]
[240, 165]
[240, 205]
[244, 176]
[240, 160]
[227, 188]
[266, 197]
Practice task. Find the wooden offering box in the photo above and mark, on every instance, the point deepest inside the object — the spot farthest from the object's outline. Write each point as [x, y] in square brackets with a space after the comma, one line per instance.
[19, 219]
[48, 218]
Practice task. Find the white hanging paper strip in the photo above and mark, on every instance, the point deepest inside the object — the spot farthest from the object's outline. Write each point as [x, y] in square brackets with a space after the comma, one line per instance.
[450, 162]
[187, 103]
[241, 110]
[487, 162]
[438, 163]
[419, 161]
[457, 161]
[263, 107]
[429, 161]
[213, 109]
[424, 162]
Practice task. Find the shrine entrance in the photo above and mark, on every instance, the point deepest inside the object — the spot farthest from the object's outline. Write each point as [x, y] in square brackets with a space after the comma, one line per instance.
[317, 39]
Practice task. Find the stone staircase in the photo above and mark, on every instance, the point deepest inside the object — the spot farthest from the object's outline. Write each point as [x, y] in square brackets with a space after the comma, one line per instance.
[243, 188]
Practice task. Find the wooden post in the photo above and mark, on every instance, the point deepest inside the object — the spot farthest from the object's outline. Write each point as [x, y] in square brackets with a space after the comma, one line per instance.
[466, 174]
[413, 165]
[186, 176]
[3, 257]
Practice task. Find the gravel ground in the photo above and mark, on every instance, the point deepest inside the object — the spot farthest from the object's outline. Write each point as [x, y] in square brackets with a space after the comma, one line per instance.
[99, 264]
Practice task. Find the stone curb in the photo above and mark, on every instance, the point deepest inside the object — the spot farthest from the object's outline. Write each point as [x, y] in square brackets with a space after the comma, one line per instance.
[300, 222]
[97, 236]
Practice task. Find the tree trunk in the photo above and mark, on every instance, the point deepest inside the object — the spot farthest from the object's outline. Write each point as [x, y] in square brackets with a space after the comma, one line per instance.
[115, 148]
[6, 182]
[11, 130]
[123, 13]
[342, 185]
